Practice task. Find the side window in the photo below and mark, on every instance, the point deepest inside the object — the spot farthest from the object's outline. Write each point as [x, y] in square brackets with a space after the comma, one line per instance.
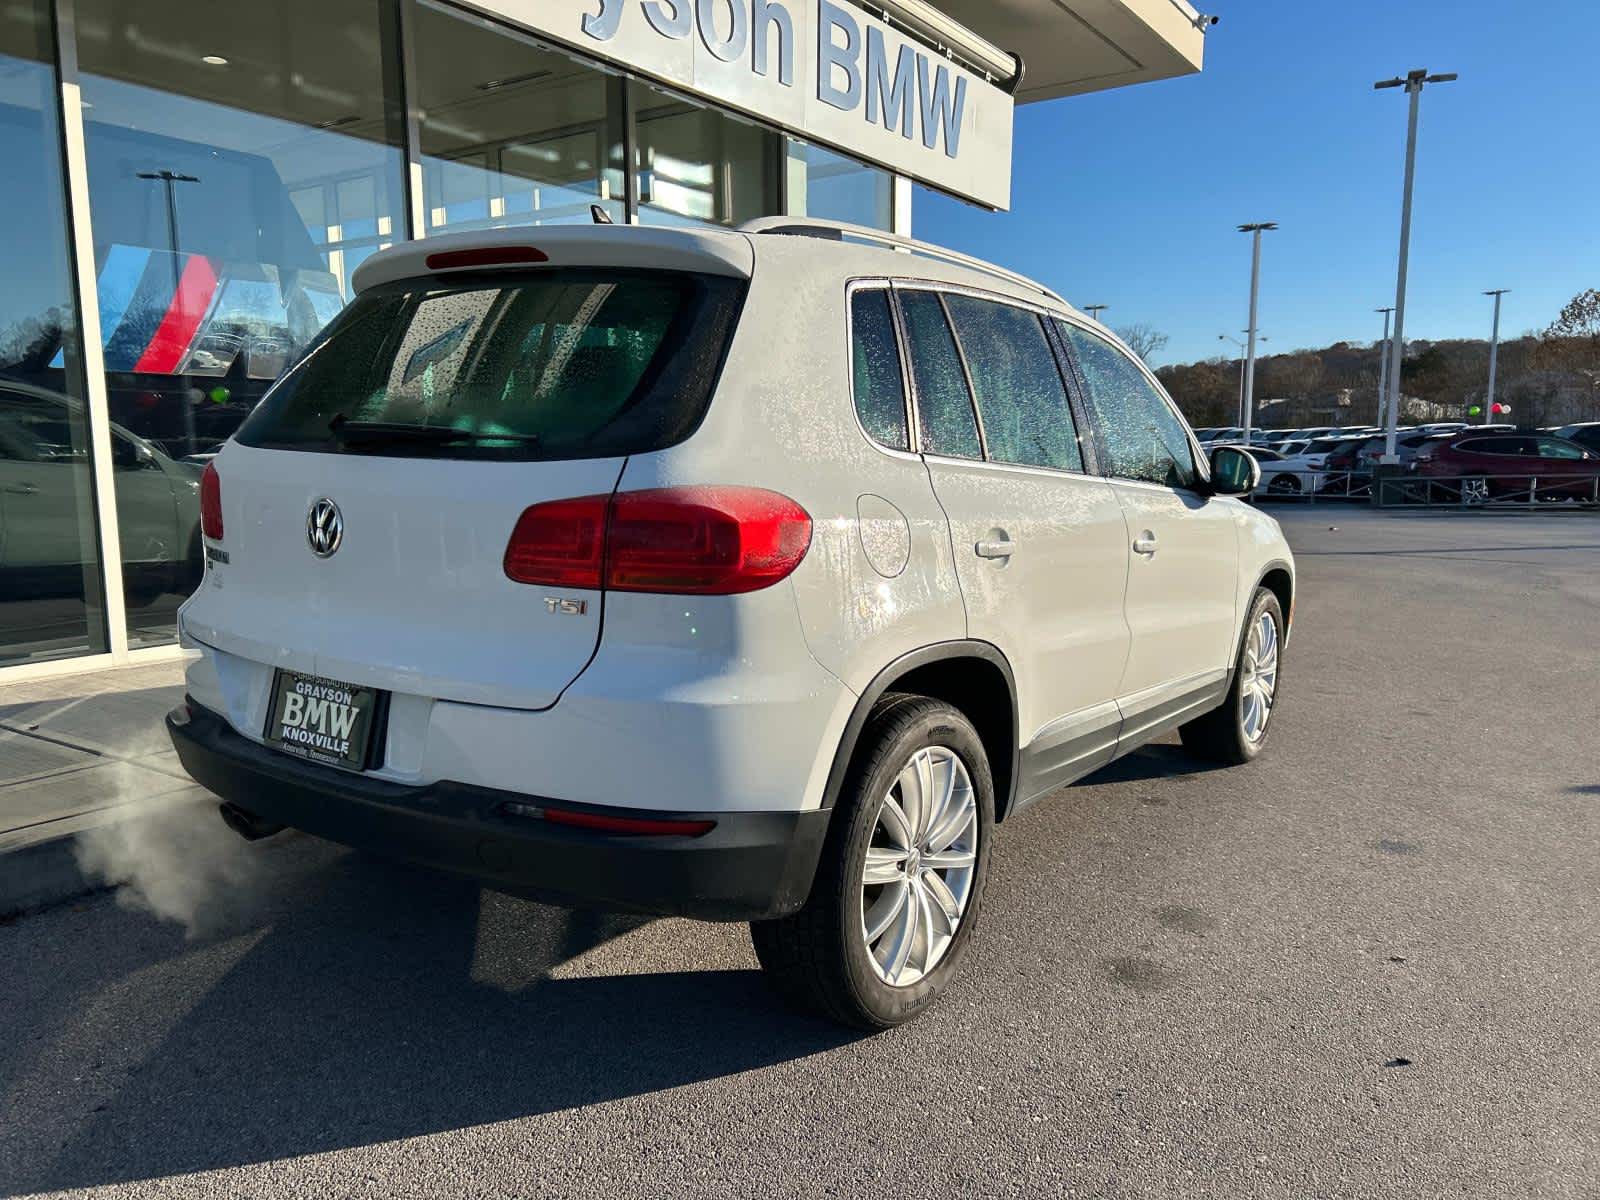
[1555, 448]
[880, 388]
[1144, 438]
[944, 408]
[1026, 418]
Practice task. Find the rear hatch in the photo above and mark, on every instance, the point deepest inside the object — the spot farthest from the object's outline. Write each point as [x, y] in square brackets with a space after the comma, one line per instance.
[431, 414]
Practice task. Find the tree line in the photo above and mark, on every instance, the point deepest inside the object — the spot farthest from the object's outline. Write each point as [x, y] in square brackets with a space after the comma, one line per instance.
[1548, 378]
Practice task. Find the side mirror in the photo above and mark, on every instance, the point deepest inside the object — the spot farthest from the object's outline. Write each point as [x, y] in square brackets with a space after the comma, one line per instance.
[1234, 471]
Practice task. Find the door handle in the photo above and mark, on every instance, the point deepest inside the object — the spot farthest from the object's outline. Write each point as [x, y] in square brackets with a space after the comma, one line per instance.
[22, 489]
[995, 548]
[1145, 543]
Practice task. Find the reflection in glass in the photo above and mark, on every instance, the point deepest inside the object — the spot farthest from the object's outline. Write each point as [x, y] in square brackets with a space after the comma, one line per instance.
[1144, 438]
[512, 133]
[698, 166]
[243, 159]
[835, 188]
[50, 586]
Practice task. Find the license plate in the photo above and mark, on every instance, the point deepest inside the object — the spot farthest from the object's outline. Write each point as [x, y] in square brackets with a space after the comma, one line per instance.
[322, 719]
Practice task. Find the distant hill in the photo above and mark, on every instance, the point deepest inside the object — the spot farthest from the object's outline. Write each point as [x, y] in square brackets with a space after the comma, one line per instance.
[1338, 384]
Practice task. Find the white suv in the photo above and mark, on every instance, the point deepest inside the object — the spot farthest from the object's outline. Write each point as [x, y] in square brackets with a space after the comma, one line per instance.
[746, 575]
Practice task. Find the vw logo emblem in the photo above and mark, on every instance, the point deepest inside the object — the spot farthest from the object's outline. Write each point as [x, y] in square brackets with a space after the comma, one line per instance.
[324, 527]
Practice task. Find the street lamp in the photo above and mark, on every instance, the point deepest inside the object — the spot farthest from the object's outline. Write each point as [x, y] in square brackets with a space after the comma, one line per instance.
[1094, 310]
[1413, 83]
[1226, 337]
[168, 178]
[1255, 231]
[1383, 366]
[1494, 352]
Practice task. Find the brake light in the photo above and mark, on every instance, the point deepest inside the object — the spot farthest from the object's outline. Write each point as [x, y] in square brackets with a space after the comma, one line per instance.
[485, 256]
[706, 541]
[561, 543]
[211, 503]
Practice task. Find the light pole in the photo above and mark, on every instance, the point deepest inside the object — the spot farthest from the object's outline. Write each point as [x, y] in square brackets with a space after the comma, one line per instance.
[1094, 310]
[1383, 367]
[1413, 83]
[169, 177]
[1255, 231]
[1224, 337]
[1494, 353]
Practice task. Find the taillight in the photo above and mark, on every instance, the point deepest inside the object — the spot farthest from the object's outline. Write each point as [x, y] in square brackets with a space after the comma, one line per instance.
[561, 542]
[706, 541]
[485, 256]
[211, 503]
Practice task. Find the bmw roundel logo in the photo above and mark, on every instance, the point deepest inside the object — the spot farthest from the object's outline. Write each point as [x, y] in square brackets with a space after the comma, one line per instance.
[324, 527]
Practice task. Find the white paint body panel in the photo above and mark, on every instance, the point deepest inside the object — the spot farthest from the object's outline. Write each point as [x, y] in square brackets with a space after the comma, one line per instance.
[735, 703]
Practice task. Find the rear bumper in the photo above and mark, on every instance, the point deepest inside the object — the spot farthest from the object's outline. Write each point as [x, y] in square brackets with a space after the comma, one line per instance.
[749, 866]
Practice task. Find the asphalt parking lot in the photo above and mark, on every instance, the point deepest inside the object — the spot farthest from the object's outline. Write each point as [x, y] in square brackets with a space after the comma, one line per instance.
[1362, 966]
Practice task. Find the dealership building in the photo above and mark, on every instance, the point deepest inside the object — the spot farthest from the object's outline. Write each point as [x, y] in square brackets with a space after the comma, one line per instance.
[190, 185]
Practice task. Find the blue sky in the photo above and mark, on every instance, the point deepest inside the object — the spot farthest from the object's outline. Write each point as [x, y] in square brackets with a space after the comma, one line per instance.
[1130, 197]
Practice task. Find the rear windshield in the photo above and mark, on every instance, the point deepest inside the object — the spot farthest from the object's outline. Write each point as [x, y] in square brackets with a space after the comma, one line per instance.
[562, 363]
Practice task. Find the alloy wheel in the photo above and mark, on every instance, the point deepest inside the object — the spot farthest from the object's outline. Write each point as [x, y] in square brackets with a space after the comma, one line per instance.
[1258, 685]
[921, 858]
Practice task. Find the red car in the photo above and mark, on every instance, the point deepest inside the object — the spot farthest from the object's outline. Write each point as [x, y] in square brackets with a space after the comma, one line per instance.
[1502, 464]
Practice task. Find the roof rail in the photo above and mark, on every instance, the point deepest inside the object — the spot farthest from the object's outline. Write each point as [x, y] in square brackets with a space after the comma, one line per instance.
[838, 231]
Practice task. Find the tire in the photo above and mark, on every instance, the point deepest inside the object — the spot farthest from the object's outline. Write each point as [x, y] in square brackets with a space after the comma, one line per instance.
[1475, 490]
[1283, 485]
[821, 958]
[1224, 734]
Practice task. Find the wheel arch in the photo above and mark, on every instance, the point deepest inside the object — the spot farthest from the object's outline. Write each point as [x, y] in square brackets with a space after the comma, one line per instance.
[1278, 578]
[972, 677]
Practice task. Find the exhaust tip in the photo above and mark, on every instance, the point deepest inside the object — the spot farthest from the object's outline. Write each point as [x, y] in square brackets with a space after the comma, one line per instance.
[246, 824]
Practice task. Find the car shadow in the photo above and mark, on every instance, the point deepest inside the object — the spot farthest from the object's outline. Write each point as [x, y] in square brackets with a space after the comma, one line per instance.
[369, 1001]
[1154, 761]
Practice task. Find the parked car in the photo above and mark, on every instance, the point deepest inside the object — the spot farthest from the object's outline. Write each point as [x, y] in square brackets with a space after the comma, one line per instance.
[1500, 464]
[1298, 473]
[1362, 454]
[747, 575]
[44, 490]
[1227, 434]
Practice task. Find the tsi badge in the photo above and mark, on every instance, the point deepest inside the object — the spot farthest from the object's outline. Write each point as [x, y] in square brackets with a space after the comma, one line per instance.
[324, 527]
[566, 608]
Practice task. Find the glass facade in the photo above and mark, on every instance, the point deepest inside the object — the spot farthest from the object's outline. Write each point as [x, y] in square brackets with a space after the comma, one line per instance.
[50, 585]
[241, 161]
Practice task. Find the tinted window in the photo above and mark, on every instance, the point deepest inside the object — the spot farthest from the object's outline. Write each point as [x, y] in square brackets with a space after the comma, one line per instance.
[564, 363]
[1556, 448]
[1144, 438]
[1026, 418]
[944, 409]
[1501, 445]
[875, 363]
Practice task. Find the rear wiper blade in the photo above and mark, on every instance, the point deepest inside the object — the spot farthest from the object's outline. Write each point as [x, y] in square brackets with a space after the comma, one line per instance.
[388, 433]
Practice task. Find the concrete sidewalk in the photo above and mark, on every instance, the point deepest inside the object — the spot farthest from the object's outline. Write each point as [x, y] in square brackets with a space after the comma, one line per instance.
[76, 753]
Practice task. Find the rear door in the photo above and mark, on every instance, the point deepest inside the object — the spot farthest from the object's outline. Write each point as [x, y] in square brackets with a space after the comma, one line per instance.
[434, 413]
[1183, 574]
[1039, 540]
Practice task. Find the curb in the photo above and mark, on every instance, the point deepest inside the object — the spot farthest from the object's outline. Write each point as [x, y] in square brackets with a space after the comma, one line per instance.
[38, 866]
[41, 875]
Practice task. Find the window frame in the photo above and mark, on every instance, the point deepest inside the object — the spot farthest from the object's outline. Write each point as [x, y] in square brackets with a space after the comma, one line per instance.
[1202, 460]
[1088, 445]
[913, 431]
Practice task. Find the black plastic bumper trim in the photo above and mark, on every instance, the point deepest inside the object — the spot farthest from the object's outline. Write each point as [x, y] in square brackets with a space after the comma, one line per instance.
[749, 866]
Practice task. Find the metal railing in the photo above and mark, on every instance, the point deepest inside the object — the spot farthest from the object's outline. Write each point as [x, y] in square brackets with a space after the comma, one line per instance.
[1487, 491]
[1428, 491]
[1308, 485]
